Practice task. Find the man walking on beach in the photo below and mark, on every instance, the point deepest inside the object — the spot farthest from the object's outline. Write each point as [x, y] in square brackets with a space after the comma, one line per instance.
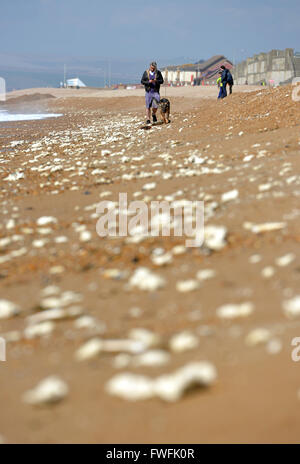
[227, 79]
[152, 80]
[224, 81]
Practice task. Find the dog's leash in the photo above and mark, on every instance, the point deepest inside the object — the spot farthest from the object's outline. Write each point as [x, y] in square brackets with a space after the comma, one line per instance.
[157, 102]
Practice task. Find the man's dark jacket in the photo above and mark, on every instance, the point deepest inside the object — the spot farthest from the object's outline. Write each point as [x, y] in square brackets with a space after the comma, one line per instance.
[158, 83]
[226, 77]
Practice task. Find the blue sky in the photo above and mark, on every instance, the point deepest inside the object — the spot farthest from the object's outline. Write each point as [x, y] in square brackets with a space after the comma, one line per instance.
[138, 29]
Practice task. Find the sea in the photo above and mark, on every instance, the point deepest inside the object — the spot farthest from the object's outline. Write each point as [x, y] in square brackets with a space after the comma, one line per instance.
[6, 116]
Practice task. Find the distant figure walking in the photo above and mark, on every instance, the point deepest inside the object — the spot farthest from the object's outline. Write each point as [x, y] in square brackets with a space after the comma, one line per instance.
[227, 79]
[220, 85]
[152, 80]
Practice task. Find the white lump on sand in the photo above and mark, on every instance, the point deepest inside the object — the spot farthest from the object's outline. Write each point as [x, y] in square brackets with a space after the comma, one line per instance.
[232, 311]
[94, 347]
[215, 237]
[292, 307]
[183, 341]
[8, 309]
[146, 280]
[229, 196]
[49, 391]
[185, 286]
[170, 387]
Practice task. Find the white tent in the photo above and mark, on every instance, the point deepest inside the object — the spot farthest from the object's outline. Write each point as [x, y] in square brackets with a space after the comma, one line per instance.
[75, 83]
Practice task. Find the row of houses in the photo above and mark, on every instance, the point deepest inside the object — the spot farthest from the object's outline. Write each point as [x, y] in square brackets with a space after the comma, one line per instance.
[272, 68]
[275, 67]
[202, 72]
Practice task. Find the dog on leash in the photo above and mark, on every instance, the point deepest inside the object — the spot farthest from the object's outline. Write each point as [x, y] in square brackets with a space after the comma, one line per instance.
[164, 107]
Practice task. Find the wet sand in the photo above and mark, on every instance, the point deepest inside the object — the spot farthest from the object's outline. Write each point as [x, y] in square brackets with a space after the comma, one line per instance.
[61, 168]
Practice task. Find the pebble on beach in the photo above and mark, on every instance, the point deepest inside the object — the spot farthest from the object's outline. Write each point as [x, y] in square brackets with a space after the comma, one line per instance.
[232, 311]
[258, 336]
[146, 280]
[183, 341]
[168, 387]
[292, 307]
[185, 286]
[215, 237]
[229, 196]
[8, 309]
[49, 391]
[145, 336]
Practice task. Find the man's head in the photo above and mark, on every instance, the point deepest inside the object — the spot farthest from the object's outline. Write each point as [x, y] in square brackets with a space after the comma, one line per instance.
[223, 67]
[153, 66]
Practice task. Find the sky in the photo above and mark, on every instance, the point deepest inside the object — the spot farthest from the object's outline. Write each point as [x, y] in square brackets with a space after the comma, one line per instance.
[137, 29]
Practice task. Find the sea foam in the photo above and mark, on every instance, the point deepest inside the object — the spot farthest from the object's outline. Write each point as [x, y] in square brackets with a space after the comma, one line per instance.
[10, 117]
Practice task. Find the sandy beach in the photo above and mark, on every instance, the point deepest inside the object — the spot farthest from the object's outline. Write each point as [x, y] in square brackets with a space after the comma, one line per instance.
[241, 157]
[208, 91]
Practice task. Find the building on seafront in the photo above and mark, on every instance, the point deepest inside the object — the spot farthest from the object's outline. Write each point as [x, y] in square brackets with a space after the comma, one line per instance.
[273, 68]
[200, 73]
[75, 83]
